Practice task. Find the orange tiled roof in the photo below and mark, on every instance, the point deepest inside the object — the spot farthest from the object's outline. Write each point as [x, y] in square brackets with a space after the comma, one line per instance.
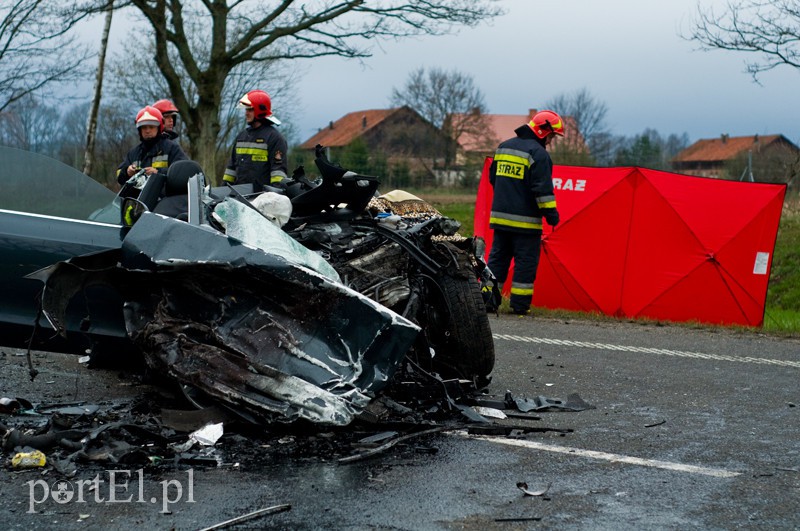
[723, 148]
[348, 128]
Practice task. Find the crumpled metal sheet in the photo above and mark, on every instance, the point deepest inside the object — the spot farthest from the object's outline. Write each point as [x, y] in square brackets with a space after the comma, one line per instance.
[271, 338]
[542, 403]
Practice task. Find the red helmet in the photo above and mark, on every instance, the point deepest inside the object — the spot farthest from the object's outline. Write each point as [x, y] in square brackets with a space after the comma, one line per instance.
[166, 107]
[150, 116]
[260, 102]
[545, 123]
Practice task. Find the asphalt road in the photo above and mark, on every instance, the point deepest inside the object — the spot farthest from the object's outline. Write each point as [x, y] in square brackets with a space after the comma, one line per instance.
[692, 429]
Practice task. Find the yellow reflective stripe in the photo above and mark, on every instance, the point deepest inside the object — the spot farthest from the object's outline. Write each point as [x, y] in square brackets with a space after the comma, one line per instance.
[517, 224]
[521, 291]
[256, 152]
[549, 204]
[229, 179]
[252, 151]
[129, 216]
[275, 179]
[160, 161]
[512, 166]
[513, 159]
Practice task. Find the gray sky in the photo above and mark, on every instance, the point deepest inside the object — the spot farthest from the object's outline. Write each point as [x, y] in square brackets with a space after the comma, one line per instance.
[627, 53]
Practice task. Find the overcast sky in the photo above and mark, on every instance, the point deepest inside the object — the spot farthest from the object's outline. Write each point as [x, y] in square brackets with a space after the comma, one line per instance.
[627, 53]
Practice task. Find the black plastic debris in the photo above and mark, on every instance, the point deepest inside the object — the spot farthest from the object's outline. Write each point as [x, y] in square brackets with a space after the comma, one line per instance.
[512, 430]
[542, 403]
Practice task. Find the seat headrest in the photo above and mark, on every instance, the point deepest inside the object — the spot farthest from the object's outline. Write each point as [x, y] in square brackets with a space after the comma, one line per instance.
[178, 175]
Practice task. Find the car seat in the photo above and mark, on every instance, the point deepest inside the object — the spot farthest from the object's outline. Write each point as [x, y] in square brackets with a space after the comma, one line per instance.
[175, 203]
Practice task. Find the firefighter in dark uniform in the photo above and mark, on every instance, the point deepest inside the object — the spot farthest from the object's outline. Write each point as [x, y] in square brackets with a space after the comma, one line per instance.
[155, 152]
[521, 174]
[170, 114]
[259, 155]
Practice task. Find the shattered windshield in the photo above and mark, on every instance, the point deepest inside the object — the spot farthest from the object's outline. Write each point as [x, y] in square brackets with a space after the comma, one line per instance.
[38, 184]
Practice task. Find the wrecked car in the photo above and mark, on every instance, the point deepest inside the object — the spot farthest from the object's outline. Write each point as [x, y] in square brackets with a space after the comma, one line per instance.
[306, 312]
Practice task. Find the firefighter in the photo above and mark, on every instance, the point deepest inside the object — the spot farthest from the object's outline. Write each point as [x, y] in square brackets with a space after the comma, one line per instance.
[259, 154]
[521, 174]
[155, 152]
[170, 114]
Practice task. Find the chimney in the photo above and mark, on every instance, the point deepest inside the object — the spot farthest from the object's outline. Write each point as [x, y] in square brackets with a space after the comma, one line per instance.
[755, 139]
[724, 137]
[364, 122]
[330, 125]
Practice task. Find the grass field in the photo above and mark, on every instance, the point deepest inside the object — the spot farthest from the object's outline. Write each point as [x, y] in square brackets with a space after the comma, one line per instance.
[782, 314]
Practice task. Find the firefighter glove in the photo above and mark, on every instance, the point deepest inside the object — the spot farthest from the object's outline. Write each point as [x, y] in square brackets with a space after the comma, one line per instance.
[552, 217]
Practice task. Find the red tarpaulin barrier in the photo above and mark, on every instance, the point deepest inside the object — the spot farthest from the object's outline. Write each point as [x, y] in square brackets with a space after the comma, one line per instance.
[635, 242]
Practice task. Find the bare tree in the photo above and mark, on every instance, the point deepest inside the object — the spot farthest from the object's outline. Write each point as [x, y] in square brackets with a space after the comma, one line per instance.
[30, 124]
[140, 90]
[449, 100]
[35, 49]
[91, 124]
[244, 31]
[770, 30]
[589, 114]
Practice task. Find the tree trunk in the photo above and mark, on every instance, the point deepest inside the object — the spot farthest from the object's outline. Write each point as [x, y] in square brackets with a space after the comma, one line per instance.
[91, 126]
[203, 132]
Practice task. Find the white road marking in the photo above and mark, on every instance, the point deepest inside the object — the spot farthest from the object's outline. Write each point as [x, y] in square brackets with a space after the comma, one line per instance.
[613, 458]
[647, 350]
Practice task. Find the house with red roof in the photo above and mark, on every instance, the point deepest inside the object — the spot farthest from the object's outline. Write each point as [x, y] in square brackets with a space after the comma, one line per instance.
[769, 158]
[482, 142]
[410, 142]
[399, 137]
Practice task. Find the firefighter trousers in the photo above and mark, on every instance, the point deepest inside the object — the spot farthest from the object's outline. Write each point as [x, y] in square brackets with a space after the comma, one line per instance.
[524, 248]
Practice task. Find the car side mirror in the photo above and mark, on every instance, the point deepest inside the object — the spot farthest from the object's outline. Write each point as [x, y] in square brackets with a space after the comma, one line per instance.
[132, 209]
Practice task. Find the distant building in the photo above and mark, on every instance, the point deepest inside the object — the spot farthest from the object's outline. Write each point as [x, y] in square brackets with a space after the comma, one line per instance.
[768, 158]
[483, 141]
[411, 144]
[400, 137]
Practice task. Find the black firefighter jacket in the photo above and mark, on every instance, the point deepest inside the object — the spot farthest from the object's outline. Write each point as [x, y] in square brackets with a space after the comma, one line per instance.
[521, 175]
[259, 156]
[158, 153]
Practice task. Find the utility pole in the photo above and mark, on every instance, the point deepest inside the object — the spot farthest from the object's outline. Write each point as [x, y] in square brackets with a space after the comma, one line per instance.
[91, 124]
[749, 168]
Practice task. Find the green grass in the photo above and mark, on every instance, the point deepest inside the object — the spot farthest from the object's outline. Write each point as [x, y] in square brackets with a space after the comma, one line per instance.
[783, 295]
[782, 315]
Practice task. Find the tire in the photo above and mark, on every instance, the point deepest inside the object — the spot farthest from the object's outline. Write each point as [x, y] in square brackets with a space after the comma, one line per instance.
[457, 328]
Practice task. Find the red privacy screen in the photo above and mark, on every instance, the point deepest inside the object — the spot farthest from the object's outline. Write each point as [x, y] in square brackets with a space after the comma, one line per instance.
[634, 242]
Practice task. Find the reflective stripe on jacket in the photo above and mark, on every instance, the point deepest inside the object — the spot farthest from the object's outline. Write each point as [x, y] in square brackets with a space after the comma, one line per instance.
[158, 153]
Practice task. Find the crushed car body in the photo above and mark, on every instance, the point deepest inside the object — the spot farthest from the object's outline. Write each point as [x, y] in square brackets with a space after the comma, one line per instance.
[265, 321]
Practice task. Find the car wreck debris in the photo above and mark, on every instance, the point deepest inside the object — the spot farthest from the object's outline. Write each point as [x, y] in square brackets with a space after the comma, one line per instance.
[521, 485]
[30, 459]
[279, 316]
[249, 516]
